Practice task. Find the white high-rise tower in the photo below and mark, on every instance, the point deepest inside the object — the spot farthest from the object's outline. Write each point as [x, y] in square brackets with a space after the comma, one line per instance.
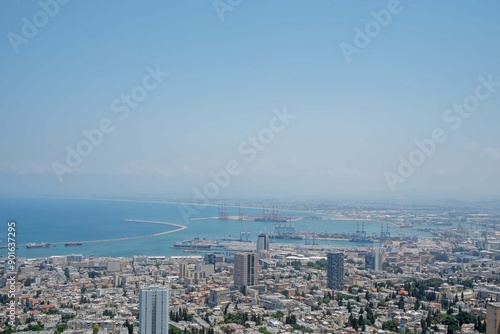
[153, 310]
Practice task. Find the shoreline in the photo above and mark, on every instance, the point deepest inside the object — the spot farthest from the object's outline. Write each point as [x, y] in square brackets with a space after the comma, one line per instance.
[328, 216]
[179, 228]
[304, 219]
[160, 202]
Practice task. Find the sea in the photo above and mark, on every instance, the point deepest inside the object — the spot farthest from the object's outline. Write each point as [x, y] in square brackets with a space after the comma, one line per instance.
[72, 220]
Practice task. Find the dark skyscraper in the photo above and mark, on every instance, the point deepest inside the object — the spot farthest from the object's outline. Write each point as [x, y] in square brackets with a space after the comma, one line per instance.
[373, 260]
[262, 242]
[244, 269]
[335, 271]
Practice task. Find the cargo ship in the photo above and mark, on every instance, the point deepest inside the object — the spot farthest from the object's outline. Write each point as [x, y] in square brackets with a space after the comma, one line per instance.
[284, 231]
[286, 236]
[271, 220]
[361, 240]
[40, 245]
[191, 244]
[73, 244]
[360, 235]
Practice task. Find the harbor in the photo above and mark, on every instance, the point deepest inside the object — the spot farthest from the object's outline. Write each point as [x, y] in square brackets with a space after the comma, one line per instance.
[34, 245]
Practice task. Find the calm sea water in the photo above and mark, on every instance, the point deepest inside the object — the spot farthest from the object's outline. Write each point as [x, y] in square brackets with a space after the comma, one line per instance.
[62, 220]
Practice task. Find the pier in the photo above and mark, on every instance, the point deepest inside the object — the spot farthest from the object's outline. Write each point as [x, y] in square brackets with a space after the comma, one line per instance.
[178, 229]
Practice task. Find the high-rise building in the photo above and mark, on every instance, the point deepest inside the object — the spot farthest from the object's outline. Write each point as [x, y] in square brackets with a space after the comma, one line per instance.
[262, 242]
[373, 260]
[335, 271]
[153, 310]
[245, 265]
[493, 318]
[183, 270]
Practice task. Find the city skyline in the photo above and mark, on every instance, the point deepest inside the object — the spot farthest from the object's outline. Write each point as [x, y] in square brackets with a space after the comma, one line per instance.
[258, 167]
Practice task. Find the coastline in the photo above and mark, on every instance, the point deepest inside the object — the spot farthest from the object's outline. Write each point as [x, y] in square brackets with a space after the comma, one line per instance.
[179, 228]
[327, 216]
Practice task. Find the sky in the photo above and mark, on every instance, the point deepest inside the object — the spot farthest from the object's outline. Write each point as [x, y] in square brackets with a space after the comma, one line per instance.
[208, 76]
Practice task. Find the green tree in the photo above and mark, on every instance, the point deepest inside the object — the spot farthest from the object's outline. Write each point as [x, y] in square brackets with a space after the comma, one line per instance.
[401, 303]
[279, 315]
[390, 325]
[452, 324]
[296, 264]
[61, 328]
[38, 326]
[29, 281]
[130, 327]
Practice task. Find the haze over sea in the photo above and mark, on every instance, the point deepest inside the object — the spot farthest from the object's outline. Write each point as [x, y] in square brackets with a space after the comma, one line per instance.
[65, 220]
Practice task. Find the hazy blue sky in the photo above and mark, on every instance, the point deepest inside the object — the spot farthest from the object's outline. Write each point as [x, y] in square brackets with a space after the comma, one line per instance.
[225, 78]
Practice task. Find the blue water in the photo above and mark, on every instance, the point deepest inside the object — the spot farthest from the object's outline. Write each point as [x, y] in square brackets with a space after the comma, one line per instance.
[61, 220]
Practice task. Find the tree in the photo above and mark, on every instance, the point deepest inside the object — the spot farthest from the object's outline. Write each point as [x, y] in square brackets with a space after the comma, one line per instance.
[390, 325]
[370, 317]
[353, 322]
[440, 257]
[296, 264]
[465, 318]
[95, 330]
[423, 324]
[361, 320]
[29, 281]
[291, 319]
[279, 315]
[36, 327]
[401, 303]
[130, 327]
[60, 328]
[452, 324]
[108, 313]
